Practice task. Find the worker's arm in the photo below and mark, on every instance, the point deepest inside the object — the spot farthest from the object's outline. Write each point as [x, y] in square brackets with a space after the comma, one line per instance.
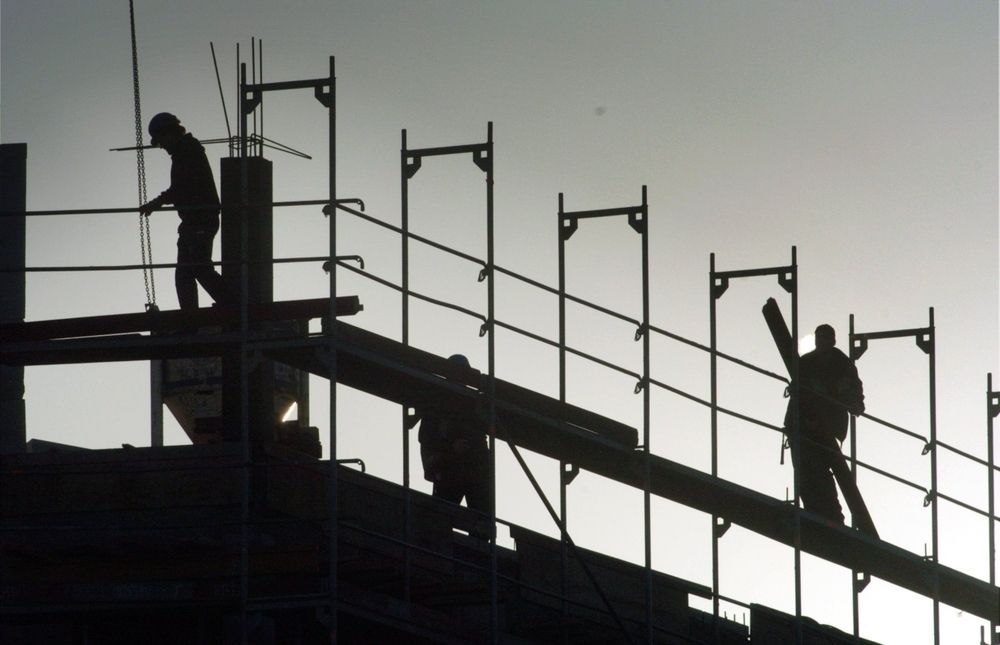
[153, 205]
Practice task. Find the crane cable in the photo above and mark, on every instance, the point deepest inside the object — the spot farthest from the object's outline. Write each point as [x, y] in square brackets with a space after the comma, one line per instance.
[145, 240]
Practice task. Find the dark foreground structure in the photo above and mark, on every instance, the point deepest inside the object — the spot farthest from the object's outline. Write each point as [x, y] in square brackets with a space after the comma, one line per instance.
[247, 536]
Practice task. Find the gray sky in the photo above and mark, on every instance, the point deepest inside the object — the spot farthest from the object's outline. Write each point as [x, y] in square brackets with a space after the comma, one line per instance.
[864, 133]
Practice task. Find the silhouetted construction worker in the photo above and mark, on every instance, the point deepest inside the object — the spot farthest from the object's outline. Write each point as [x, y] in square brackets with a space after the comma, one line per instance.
[829, 390]
[455, 454]
[192, 190]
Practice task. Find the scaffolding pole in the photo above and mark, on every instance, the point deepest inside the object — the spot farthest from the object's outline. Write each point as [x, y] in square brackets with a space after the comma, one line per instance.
[992, 411]
[924, 339]
[718, 285]
[637, 220]
[410, 162]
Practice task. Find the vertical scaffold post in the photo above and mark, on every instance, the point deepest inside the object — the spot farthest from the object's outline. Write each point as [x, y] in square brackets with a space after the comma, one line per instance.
[638, 217]
[796, 447]
[410, 162]
[718, 285]
[713, 295]
[855, 590]
[491, 391]
[641, 225]
[404, 179]
[563, 479]
[924, 339]
[246, 454]
[992, 410]
[926, 343]
[330, 101]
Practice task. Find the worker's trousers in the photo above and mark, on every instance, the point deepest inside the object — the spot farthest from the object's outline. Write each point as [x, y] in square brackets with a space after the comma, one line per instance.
[817, 488]
[194, 258]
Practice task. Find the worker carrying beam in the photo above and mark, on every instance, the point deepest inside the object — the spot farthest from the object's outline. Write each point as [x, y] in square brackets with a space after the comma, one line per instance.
[192, 189]
[455, 455]
[829, 389]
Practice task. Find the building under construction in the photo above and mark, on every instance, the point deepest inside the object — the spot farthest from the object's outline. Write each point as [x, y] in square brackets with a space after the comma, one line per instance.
[248, 536]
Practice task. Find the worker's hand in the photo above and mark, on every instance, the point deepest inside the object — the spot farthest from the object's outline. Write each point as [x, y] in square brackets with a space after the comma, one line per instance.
[148, 208]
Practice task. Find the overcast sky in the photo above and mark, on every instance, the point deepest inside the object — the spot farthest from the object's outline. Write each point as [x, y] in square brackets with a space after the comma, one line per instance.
[864, 133]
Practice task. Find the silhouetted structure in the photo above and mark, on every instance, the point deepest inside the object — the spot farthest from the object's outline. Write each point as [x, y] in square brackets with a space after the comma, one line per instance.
[258, 541]
[454, 453]
[829, 389]
[192, 189]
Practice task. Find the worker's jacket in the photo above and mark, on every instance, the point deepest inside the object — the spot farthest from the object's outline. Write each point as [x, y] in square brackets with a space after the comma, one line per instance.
[192, 188]
[452, 445]
[829, 390]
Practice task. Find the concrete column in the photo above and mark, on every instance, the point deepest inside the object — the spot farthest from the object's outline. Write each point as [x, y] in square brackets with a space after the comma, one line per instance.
[13, 183]
[254, 221]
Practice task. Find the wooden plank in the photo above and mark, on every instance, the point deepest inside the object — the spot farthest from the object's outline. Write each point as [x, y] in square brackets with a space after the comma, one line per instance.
[165, 321]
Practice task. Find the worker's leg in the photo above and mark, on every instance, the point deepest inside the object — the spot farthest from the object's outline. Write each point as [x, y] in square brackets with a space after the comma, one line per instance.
[817, 486]
[184, 276]
[449, 489]
[205, 273]
[478, 487]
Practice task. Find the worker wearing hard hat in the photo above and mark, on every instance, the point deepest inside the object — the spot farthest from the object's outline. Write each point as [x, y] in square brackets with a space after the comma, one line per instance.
[192, 190]
[455, 454]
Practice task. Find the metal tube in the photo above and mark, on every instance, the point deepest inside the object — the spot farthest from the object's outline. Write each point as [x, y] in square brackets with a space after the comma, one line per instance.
[405, 338]
[992, 408]
[855, 595]
[646, 390]
[244, 386]
[797, 512]
[563, 502]
[253, 75]
[333, 488]
[713, 384]
[491, 390]
[933, 444]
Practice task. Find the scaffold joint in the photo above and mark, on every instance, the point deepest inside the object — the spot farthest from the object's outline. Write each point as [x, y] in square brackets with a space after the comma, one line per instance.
[721, 526]
[719, 286]
[411, 165]
[925, 341]
[569, 226]
[858, 347]
[569, 473]
[787, 281]
[482, 160]
[637, 220]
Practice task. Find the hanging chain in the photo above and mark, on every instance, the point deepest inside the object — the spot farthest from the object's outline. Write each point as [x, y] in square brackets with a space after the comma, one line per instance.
[145, 240]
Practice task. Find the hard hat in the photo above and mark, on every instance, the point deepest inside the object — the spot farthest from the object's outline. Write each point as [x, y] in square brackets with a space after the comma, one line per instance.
[460, 359]
[160, 123]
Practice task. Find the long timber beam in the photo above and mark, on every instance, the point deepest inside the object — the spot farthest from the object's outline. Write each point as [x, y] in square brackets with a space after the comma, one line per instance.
[167, 321]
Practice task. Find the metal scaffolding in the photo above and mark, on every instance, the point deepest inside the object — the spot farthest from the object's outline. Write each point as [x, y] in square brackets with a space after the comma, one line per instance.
[641, 468]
